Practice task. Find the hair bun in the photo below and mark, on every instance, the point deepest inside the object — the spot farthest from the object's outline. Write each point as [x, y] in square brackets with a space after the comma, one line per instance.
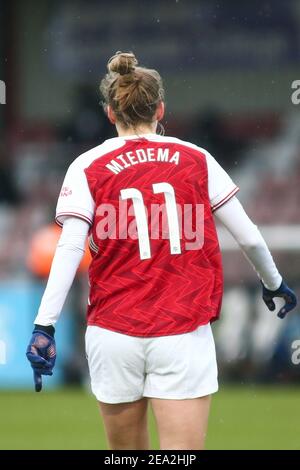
[122, 63]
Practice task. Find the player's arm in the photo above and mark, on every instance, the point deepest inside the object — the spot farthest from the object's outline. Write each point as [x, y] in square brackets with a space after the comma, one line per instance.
[74, 212]
[41, 351]
[69, 252]
[233, 216]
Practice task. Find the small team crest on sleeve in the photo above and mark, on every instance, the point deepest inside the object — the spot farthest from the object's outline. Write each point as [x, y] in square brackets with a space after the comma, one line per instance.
[65, 191]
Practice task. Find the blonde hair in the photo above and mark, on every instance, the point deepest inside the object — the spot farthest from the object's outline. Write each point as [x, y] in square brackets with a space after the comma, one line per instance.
[133, 92]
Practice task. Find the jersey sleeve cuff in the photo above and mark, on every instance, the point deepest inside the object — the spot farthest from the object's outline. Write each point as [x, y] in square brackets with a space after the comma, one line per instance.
[223, 198]
[73, 212]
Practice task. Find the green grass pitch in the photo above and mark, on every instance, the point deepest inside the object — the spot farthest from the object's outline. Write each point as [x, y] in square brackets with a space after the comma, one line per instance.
[241, 418]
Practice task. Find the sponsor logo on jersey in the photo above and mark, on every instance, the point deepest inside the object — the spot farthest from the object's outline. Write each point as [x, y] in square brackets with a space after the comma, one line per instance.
[65, 191]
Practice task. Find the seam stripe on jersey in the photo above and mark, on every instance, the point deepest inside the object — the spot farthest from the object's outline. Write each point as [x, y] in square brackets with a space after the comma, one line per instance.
[225, 199]
[93, 245]
[75, 214]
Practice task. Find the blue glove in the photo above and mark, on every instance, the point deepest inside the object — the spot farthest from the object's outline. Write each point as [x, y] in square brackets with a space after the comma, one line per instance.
[41, 353]
[283, 291]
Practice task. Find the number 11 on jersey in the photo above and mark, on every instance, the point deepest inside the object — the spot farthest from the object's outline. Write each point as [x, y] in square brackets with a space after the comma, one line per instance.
[141, 217]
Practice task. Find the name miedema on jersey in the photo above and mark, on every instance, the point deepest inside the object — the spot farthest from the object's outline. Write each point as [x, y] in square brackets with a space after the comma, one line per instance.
[128, 159]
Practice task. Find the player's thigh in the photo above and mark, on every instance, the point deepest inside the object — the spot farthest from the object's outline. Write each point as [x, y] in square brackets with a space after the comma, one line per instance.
[181, 367]
[126, 423]
[116, 364]
[182, 424]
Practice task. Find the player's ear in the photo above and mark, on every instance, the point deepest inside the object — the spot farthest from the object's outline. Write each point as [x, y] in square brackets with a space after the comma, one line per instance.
[160, 112]
[111, 115]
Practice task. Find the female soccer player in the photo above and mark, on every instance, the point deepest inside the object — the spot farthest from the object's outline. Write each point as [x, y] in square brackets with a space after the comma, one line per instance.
[148, 204]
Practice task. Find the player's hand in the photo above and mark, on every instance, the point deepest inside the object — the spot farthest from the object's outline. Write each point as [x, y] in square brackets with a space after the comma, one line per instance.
[41, 353]
[284, 292]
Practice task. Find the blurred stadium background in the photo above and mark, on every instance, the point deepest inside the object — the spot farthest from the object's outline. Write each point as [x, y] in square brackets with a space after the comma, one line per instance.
[228, 69]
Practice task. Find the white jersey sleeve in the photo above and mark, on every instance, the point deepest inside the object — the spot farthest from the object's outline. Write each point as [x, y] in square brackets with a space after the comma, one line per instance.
[254, 247]
[68, 253]
[221, 188]
[75, 198]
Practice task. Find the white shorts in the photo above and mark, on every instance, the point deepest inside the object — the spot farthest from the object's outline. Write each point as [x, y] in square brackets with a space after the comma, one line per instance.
[126, 368]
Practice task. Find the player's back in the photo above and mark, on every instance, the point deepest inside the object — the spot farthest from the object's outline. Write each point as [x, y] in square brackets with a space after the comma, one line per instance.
[156, 266]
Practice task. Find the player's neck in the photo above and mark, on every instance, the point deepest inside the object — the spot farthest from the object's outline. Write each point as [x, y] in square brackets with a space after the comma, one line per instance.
[140, 130]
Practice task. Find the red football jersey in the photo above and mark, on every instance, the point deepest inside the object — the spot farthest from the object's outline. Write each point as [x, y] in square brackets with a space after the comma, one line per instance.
[156, 264]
